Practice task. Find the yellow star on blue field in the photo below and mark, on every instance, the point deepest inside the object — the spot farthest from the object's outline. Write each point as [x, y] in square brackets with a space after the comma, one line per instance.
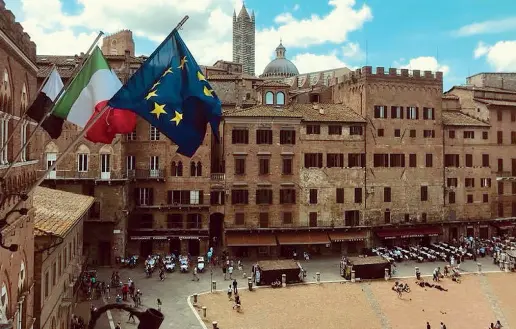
[177, 118]
[169, 70]
[183, 62]
[208, 92]
[200, 76]
[158, 109]
[156, 84]
[151, 94]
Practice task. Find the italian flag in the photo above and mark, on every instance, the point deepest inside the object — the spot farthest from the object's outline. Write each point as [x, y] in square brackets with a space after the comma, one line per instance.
[87, 95]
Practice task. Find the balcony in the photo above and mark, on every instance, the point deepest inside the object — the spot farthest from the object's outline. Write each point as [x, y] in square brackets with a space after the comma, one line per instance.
[174, 206]
[321, 224]
[73, 175]
[218, 177]
[157, 174]
[505, 175]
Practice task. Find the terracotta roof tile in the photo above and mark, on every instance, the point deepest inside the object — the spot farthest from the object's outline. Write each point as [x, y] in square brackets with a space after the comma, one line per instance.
[273, 84]
[306, 112]
[495, 102]
[473, 88]
[223, 77]
[457, 118]
[58, 211]
[450, 97]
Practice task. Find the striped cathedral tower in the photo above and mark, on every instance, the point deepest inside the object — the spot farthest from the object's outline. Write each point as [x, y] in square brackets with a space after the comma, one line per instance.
[244, 40]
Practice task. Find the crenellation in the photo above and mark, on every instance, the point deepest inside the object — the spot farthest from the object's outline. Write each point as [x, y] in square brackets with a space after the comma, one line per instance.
[380, 70]
[429, 74]
[416, 73]
[404, 72]
[14, 30]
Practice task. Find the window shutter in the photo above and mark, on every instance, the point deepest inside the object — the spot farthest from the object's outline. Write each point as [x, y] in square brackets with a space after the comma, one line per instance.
[401, 112]
[201, 197]
[385, 111]
[433, 113]
[376, 111]
[169, 197]
[246, 196]
[320, 160]
[408, 112]
[417, 113]
[151, 196]
[425, 114]
[393, 111]
[403, 160]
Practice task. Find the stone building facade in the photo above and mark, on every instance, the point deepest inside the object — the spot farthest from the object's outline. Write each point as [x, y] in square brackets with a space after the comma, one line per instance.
[18, 86]
[58, 254]
[244, 31]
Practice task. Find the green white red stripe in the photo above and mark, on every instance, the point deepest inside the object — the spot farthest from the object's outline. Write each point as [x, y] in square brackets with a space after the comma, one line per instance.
[93, 84]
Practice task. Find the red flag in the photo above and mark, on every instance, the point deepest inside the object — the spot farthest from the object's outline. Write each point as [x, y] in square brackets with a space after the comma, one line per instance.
[111, 123]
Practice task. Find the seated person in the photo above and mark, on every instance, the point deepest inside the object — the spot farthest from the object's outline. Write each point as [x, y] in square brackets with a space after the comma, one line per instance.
[440, 288]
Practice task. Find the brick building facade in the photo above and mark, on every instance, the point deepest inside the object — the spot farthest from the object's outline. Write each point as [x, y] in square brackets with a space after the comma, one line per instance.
[18, 86]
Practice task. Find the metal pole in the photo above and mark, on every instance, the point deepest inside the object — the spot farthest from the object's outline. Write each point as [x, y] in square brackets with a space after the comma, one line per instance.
[33, 133]
[4, 145]
[211, 279]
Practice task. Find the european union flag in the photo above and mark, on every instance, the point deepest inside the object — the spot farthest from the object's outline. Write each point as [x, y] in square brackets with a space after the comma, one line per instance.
[171, 93]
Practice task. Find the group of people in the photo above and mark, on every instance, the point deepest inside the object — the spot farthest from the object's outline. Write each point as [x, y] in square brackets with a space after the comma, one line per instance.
[428, 326]
[233, 290]
[496, 325]
[400, 288]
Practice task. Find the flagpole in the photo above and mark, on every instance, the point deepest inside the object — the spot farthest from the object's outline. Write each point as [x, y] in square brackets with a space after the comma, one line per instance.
[24, 113]
[68, 83]
[78, 138]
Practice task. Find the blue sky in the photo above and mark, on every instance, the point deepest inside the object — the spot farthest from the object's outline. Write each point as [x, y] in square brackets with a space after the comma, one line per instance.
[459, 37]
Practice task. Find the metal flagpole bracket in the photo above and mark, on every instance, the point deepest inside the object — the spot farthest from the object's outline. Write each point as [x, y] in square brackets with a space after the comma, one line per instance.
[182, 22]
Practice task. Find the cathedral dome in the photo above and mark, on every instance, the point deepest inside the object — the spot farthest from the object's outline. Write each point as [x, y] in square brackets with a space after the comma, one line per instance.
[280, 67]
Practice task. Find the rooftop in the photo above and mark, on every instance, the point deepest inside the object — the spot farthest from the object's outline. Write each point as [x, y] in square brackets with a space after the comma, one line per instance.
[495, 102]
[58, 211]
[457, 118]
[489, 89]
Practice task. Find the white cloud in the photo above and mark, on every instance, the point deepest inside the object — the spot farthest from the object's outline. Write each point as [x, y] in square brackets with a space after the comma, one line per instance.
[296, 7]
[207, 33]
[485, 27]
[501, 56]
[308, 62]
[352, 50]
[424, 63]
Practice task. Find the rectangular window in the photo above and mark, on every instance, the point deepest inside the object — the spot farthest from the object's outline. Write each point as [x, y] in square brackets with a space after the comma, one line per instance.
[356, 130]
[264, 136]
[451, 134]
[451, 182]
[358, 195]
[312, 218]
[239, 196]
[287, 218]
[144, 196]
[313, 160]
[82, 162]
[312, 196]
[339, 195]
[153, 133]
[412, 160]
[424, 193]
[381, 160]
[500, 188]
[485, 198]
[335, 160]
[397, 132]
[485, 182]
[499, 137]
[131, 136]
[412, 133]
[239, 218]
[500, 165]
[356, 160]
[334, 130]
[469, 182]
[195, 197]
[397, 160]
[240, 136]
[386, 194]
[381, 132]
[287, 196]
[287, 166]
[429, 160]
[264, 166]
[352, 218]
[264, 196]
[451, 160]
[130, 164]
[288, 137]
[264, 220]
[217, 197]
[396, 112]
[47, 284]
[451, 197]
[513, 187]
[499, 115]
[485, 135]
[468, 134]
[239, 166]
[412, 113]
[313, 129]
[469, 160]
[500, 210]
[513, 137]
[485, 160]
[469, 198]
[380, 112]
[428, 113]
[428, 133]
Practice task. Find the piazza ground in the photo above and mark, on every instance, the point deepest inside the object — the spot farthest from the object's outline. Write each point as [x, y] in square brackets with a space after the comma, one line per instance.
[328, 304]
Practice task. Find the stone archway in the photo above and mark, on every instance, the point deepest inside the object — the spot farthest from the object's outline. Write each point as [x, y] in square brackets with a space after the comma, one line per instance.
[216, 229]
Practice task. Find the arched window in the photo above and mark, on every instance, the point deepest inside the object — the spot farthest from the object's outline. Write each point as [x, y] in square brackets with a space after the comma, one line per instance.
[173, 169]
[4, 302]
[193, 169]
[269, 98]
[280, 98]
[199, 169]
[179, 169]
[114, 51]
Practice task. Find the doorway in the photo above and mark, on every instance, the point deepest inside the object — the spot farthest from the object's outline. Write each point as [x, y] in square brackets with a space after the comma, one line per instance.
[104, 253]
[105, 166]
[454, 233]
[51, 158]
[194, 247]
[175, 246]
[145, 248]
[216, 229]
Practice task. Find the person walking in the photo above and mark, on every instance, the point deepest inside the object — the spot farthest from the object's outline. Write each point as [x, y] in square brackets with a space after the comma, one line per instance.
[428, 325]
[235, 287]
[159, 304]
[194, 274]
[230, 292]
[230, 271]
[131, 316]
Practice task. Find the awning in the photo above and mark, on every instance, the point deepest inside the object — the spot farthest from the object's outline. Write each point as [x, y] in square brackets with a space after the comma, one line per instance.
[413, 232]
[347, 236]
[504, 225]
[293, 238]
[166, 237]
[243, 239]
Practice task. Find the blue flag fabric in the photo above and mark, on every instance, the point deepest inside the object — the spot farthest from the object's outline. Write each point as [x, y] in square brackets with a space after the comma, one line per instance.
[171, 93]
